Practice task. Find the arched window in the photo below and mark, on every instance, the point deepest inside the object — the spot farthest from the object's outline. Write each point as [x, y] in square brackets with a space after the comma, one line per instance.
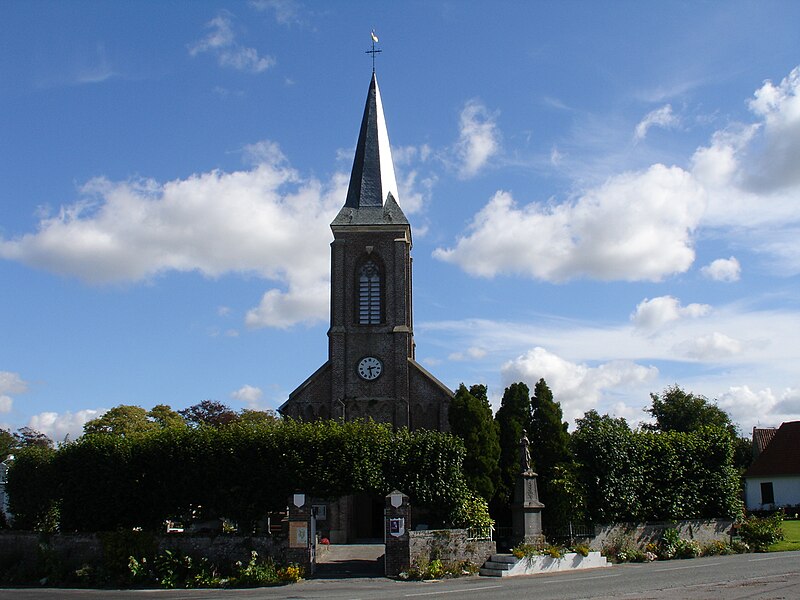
[369, 294]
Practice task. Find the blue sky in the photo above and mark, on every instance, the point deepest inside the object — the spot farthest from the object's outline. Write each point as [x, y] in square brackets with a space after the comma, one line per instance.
[606, 195]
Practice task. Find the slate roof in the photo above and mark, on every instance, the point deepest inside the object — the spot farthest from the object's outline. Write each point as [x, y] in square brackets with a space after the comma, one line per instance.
[372, 194]
[782, 454]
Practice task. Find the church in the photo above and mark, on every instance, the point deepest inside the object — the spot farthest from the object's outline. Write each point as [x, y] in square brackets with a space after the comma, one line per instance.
[371, 371]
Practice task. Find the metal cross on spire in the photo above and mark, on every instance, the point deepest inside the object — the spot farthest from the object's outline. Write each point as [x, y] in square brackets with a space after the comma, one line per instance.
[373, 51]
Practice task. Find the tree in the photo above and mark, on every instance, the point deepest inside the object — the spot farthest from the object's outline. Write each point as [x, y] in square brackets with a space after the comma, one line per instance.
[256, 417]
[164, 416]
[513, 416]
[471, 419]
[654, 476]
[208, 412]
[124, 420]
[676, 410]
[27, 437]
[605, 455]
[547, 432]
[552, 457]
[7, 444]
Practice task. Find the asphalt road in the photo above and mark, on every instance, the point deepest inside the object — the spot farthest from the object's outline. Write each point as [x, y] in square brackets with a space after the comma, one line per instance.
[747, 576]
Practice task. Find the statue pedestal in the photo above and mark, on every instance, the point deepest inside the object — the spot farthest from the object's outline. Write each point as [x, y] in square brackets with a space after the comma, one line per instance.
[526, 511]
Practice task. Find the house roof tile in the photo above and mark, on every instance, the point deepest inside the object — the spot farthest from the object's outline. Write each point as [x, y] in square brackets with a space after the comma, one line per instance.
[781, 456]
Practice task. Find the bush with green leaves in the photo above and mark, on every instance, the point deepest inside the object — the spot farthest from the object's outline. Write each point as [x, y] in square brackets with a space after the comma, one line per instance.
[761, 532]
[471, 512]
[630, 476]
[104, 482]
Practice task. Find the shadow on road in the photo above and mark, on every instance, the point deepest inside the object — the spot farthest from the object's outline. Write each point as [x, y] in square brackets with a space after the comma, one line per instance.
[350, 568]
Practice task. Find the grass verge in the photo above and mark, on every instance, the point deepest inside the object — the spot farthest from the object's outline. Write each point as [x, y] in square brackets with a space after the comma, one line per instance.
[791, 532]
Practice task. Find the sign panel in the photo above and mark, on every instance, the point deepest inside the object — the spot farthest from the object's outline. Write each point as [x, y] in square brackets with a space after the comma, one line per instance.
[298, 534]
[397, 527]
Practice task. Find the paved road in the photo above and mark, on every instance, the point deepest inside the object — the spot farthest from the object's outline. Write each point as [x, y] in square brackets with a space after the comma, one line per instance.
[749, 576]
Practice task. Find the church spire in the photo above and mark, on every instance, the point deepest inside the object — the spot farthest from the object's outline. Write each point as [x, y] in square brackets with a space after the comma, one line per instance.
[372, 181]
[372, 178]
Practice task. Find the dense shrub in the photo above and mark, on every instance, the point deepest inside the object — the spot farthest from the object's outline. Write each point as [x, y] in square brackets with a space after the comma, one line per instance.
[104, 482]
[32, 490]
[654, 476]
[761, 532]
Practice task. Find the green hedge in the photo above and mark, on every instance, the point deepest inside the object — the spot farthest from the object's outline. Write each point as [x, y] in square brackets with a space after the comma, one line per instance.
[102, 482]
[653, 476]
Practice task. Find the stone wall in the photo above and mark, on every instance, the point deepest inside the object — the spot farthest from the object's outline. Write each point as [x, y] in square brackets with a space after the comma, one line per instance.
[449, 545]
[76, 550]
[701, 530]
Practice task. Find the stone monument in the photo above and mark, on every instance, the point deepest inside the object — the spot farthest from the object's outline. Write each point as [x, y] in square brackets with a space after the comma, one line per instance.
[526, 510]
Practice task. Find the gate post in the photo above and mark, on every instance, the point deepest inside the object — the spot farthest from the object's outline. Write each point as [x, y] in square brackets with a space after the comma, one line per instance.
[302, 533]
[397, 522]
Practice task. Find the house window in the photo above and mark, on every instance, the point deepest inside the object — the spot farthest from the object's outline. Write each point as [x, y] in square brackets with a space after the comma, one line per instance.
[767, 493]
[369, 294]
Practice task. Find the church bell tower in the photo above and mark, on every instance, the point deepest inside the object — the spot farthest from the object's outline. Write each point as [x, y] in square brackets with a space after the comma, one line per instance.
[371, 371]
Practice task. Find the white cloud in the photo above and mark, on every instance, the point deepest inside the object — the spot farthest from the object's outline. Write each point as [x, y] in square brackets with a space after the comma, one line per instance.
[640, 225]
[661, 117]
[763, 408]
[57, 426]
[221, 42]
[651, 315]
[577, 387]
[636, 226]
[265, 220]
[414, 188]
[10, 383]
[779, 106]
[248, 394]
[712, 346]
[472, 353]
[479, 139]
[789, 403]
[306, 301]
[287, 12]
[723, 269]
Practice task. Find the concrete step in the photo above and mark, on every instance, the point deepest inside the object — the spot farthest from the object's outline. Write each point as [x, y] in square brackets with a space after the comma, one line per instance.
[484, 572]
[504, 558]
[500, 566]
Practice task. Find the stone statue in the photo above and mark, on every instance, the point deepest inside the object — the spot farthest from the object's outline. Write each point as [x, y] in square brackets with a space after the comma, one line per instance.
[525, 453]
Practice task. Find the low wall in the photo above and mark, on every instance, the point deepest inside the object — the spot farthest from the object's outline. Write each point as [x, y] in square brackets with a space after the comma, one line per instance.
[76, 550]
[701, 530]
[449, 546]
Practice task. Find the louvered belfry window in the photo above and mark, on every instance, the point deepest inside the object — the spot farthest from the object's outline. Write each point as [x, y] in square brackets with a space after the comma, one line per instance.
[369, 294]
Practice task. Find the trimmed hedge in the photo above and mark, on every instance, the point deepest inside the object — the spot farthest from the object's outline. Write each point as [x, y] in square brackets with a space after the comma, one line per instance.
[655, 476]
[103, 482]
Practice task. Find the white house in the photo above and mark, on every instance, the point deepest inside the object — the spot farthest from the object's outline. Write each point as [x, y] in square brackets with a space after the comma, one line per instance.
[773, 480]
[3, 494]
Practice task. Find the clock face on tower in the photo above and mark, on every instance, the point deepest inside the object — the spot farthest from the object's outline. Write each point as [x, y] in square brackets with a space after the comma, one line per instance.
[370, 368]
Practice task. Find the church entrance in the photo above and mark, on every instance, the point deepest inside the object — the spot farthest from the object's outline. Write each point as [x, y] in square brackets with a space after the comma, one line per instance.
[368, 518]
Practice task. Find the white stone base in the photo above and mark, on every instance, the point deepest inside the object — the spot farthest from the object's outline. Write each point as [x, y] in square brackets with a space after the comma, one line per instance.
[507, 565]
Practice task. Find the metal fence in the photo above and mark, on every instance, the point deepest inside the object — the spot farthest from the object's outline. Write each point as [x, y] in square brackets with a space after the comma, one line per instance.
[475, 534]
[569, 534]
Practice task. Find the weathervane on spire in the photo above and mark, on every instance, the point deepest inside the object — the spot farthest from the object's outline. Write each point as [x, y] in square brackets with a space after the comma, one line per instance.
[373, 51]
